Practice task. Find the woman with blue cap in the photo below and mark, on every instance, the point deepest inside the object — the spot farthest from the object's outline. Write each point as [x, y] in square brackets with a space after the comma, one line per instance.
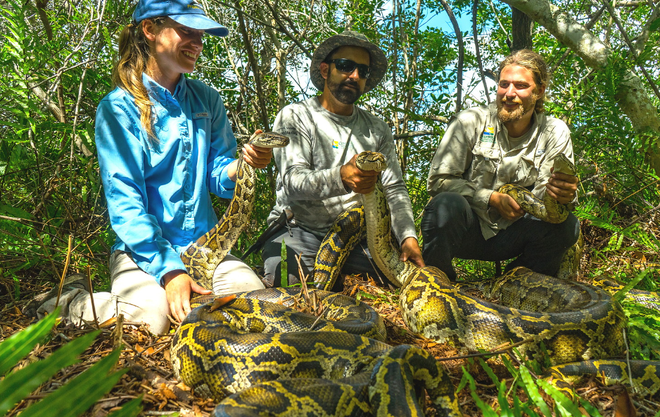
[164, 141]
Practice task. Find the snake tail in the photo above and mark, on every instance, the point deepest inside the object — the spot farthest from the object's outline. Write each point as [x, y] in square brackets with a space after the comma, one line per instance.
[644, 375]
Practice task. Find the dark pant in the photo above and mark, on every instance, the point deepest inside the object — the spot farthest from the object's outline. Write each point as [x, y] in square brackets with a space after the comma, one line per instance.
[306, 244]
[451, 230]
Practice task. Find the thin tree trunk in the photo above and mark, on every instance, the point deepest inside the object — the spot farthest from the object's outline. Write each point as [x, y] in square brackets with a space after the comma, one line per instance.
[477, 51]
[521, 30]
[255, 71]
[461, 54]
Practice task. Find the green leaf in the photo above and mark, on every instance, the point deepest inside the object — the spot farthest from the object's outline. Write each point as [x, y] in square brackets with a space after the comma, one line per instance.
[619, 296]
[528, 411]
[17, 385]
[82, 392]
[130, 409]
[655, 25]
[489, 371]
[505, 410]
[284, 267]
[17, 346]
[486, 410]
[591, 410]
[564, 403]
[464, 382]
[533, 391]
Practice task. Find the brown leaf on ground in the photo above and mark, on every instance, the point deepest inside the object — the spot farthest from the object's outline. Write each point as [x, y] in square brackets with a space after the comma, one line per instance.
[151, 375]
[624, 406]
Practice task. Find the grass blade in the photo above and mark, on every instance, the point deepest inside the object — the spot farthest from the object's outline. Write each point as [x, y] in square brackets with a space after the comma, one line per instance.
[21, 383]
[17, 346]
[82, 392]
[533, 392]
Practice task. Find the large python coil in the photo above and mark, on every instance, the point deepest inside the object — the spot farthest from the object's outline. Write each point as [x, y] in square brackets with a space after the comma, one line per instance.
[258, 356]
[574, 322]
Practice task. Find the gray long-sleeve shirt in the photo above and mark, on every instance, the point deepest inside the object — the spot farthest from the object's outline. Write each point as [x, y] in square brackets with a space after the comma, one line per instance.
[309, 181]
[476, 156]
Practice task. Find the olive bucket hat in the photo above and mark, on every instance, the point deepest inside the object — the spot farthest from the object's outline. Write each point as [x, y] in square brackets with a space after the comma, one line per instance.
[378, 62]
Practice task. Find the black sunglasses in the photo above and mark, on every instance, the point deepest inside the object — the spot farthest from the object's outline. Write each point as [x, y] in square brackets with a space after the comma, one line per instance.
[348, 66]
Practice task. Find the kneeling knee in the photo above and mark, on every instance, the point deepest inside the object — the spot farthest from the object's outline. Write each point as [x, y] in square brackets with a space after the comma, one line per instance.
[445, 208]
[570, 230]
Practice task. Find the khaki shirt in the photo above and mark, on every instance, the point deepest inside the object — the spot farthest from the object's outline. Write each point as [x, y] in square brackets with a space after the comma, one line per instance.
[476, 157]
[320, 142]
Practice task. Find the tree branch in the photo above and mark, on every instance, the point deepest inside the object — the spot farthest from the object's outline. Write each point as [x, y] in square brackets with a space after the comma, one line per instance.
[461, 54]
[416, 134]
[633, 51]
[640, 42]
[631, 95]
[477, 50]
[589, 47]
[255, 71]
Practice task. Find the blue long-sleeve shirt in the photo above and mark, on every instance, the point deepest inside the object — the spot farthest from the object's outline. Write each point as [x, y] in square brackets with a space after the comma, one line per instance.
[158, 190]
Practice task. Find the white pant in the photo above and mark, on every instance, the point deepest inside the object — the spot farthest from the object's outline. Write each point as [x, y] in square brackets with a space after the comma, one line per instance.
[138, 296]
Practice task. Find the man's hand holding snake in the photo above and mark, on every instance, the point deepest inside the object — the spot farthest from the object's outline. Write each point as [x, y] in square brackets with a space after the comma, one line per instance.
[505, 205]
[562, 187]
[357, 180]
[410, 252]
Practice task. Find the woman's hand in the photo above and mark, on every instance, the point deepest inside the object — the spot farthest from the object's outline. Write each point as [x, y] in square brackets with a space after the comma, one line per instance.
[256, 156]
[178, 288]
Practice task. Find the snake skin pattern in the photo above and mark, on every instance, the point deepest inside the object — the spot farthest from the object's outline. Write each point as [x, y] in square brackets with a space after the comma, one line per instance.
[257, 355]
[567, 322]
[204, 255]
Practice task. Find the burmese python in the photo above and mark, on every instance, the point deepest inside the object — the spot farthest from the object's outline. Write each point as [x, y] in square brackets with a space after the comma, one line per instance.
[550, 210]
[573, 321]
[204, 255]
[259, 356]
[547, 209]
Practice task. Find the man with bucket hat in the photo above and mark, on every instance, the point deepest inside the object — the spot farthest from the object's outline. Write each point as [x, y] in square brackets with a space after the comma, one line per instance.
[318, 178]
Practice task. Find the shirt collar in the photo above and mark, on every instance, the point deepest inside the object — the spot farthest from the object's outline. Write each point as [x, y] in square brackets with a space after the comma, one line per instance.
[161, 93]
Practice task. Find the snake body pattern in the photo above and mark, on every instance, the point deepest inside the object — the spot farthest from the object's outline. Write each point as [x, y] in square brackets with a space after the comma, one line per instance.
[574, 321]
[204, 255]
[259, 357]
[550, 210]
[547, 209]
[436, 308]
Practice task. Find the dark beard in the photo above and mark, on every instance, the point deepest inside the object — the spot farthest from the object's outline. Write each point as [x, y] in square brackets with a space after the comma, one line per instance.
[342, 93]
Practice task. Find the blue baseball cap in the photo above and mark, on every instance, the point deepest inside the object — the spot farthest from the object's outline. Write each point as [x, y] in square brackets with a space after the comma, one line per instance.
[186, 12]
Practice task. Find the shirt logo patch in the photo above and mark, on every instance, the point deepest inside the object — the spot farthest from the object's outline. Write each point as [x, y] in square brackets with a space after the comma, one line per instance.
[540, 152]
[336, 144]
[489, 135]
[201, 115]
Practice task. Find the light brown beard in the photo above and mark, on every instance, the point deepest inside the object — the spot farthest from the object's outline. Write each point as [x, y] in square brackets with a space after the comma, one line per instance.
[506, 116]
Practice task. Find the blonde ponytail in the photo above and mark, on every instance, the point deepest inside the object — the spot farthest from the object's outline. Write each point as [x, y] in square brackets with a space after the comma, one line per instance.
[134, 55]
